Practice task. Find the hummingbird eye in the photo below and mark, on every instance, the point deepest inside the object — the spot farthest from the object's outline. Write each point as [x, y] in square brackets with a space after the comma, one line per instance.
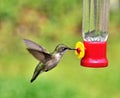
[63, 48]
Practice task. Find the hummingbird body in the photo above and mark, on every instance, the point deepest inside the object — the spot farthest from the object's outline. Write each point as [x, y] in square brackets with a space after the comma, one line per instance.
[53, 61]
[47, 60]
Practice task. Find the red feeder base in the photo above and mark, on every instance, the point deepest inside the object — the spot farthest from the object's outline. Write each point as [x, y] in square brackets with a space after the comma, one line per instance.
[95, 55]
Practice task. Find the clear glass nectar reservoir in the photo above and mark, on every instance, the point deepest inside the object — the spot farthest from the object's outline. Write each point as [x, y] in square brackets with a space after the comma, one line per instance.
[95, 20]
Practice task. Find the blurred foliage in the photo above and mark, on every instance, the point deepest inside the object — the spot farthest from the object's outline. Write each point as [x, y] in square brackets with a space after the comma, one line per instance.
[49, 22]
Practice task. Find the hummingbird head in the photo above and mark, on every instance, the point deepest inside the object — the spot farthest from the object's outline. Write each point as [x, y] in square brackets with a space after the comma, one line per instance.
[61, 48]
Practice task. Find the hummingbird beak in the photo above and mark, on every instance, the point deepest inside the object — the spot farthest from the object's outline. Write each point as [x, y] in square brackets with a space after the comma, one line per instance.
[71, 49]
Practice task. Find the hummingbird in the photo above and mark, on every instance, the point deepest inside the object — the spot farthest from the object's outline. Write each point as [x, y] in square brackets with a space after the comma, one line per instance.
[47, 61]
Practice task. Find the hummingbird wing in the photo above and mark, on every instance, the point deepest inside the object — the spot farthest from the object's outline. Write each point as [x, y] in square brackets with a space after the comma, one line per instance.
[32, 45]
[40, 55]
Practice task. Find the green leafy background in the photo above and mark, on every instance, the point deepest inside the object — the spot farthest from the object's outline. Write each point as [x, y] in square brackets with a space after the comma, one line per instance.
[50, 22]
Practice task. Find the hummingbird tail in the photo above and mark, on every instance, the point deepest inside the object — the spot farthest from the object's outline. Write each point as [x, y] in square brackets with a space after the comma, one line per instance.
[36, 73]
[34, 76]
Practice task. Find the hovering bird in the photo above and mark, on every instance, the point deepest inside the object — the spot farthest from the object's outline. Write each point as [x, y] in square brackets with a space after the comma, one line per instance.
[47, 61]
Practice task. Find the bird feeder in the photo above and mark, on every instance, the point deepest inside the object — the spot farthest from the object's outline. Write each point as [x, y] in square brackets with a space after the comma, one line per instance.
[95, 33]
